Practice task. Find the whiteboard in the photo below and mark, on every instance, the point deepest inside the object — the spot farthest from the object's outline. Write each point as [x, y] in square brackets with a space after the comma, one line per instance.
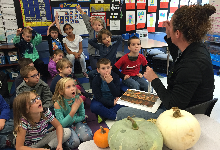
[72, 17]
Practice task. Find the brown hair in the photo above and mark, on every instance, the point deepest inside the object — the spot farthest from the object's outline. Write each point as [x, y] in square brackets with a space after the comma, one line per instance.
[24, 62]
[104, 61]
[99, 20]
[59, 90]
[27, 30]
[131, 38]
[53, 28]
[25, 70]
[193, 21]
[20, 109]
[57, 51]
[62, 62]
[103, 31]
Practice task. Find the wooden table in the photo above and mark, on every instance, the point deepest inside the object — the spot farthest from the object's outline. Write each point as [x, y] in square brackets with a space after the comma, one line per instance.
[209, 139]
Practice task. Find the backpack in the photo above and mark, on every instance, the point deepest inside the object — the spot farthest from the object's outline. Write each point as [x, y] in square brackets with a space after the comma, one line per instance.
[3, 85]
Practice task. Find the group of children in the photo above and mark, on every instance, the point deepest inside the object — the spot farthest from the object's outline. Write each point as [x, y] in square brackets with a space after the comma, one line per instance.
[36, 103]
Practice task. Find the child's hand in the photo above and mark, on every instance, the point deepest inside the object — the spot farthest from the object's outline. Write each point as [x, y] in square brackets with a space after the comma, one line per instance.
[91, 19]
[77, 103]
[126, 77]
[116, 100]
[56, 16]
[79, 9]
[2, 124]
[140, 75]
[59, 147]
[108, 78]
[77, 55]
[19, 31]
[29, 28]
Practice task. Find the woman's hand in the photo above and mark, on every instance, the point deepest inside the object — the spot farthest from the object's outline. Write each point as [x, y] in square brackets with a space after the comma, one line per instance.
[166, 24]
[2, 124]
[149, 74]
[59, 147]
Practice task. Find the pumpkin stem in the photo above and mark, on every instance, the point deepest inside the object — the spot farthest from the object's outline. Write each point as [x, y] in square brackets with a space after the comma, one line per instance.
[176, 113]
[134, 124]
[102, 130]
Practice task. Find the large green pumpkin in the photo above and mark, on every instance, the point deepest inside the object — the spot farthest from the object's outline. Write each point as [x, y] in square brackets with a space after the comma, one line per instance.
[135, 134]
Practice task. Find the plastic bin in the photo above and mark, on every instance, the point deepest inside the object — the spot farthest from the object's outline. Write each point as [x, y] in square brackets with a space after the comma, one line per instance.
[13, 73]
[135, 34]
[126, 36]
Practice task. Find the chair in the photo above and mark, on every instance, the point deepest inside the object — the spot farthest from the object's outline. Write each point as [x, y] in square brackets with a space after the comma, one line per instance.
[204, 108]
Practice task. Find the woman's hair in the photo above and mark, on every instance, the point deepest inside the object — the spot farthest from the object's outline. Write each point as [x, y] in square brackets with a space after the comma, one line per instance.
[60, 90]
[25, 71]
[62, 62]
[99, 20]
[20, 109]
[56, 52]
[103, 31]
[193, 21]
[67, 24]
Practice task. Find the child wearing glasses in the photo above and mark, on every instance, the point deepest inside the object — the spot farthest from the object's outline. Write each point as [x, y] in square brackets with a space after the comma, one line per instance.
[69, 110]
[32, 82]
[73, 46]
[31, 124]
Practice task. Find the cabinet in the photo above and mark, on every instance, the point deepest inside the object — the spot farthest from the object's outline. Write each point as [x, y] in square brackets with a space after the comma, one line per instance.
[5, 49]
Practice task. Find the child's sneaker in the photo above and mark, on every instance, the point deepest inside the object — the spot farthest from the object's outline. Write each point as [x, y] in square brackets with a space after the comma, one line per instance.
[85, 75]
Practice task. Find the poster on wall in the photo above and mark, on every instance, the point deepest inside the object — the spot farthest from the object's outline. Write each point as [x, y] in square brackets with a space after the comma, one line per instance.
[99, 7]
[130, 4]
[141, 19]
[152, 5]
[162, 17]
[141, 4]
[36, 14]
[174, 5]
[215, 17]
[164, 3]
[130, 20]
[72, 17]
[151, 20]
[114, 25]
[184, 2]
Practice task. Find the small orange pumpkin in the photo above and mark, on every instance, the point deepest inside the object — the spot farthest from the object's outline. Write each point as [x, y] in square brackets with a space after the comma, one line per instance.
[101, 137]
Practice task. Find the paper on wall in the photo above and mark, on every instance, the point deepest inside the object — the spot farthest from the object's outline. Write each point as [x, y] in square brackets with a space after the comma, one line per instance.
[11, 24]
[2, 34]
[8, 11]
[10, 34]
[114, 25]
[1, 23]
[184, 2]
[10, 17]
[141, 16]
[130, 17]
[151, 20]
[162, 15]
[7, 2]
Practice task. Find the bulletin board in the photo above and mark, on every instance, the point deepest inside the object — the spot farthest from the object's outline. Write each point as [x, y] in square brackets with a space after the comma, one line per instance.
[72, 17]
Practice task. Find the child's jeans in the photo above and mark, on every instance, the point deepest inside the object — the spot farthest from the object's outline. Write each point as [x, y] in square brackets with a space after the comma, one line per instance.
[80, 132]
[134, 82]
[82, 61]
[99, 109]
[8, 129]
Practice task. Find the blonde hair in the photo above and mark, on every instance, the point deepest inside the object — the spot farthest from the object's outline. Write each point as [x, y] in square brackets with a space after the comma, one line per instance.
[62, 62]
[27, 30]
[99, 20]
[25, 71]
[60, 90]
[20, 110]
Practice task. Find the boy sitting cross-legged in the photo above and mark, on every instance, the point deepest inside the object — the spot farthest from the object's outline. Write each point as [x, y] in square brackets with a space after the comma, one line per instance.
[32, 82]
[106, 90]
[130, 66]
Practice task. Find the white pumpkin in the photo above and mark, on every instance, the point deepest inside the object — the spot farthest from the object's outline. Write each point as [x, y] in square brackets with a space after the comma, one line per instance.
[180, 129]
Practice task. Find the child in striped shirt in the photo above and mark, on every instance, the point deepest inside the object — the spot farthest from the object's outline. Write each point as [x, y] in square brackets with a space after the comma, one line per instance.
[31, 124]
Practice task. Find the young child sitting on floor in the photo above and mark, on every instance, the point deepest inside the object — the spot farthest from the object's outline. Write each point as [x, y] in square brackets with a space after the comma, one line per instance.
[130, 66]
[64, 67]
[31, 122]
[6, 125]
[106, 90]
[93, 25]
[22, 63]
[32, 82]
[73, 46]
[27, 47]
[69, 110]
[57, 55]
[55, 37]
